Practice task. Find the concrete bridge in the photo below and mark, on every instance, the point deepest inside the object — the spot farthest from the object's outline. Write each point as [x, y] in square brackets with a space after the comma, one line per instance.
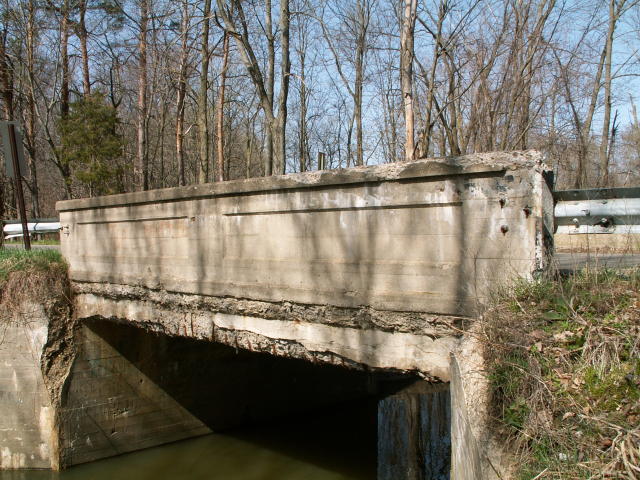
[203, 307]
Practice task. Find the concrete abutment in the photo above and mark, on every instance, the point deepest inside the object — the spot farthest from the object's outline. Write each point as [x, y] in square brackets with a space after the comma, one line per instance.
[128, 389]
[197, 307]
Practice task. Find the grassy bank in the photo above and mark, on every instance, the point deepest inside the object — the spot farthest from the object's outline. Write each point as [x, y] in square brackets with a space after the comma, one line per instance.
[30, 272]
[564, 362]
[44, 241]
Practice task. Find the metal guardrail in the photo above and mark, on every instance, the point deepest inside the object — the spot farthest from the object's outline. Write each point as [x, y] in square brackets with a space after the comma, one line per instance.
[594, 211]
[598, 211]
[13, 228]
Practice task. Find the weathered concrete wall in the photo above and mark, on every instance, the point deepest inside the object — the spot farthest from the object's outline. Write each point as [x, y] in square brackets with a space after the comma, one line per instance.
[112, 407]
[27, 438]
[374, 266]
[129, 389]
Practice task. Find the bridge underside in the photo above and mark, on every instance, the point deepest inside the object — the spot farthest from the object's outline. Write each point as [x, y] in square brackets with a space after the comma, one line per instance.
[130, 388]
[360, 338]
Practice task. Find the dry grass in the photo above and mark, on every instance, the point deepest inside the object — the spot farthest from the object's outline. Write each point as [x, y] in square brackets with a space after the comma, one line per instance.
[564, 359]
[37, 275]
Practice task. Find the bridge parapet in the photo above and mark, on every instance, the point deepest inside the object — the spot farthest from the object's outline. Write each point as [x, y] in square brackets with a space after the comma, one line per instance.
[378, 266]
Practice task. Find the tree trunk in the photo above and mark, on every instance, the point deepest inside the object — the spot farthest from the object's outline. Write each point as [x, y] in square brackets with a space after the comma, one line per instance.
[64, 59]
[424, 141]
[6, 77]
[219, 175]
[603, 156]
[270, 80]
[362, 22]
[285, 67]
[182, 92]
[142, 159]
[203, 98]
[30, 124]
[302, 119]
[6, 90]
[406, 74]
[84, 52]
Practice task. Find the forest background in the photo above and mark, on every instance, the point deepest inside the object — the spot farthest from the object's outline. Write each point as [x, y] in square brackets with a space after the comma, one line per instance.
[122, 95]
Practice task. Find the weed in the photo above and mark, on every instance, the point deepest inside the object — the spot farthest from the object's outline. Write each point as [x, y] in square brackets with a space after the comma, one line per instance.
[31, 274]
[564, 363]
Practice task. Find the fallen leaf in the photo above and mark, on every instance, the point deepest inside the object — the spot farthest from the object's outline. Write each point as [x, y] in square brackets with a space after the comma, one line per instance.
[605, 443]
[538, 335]
[536, 347]
[564, 337]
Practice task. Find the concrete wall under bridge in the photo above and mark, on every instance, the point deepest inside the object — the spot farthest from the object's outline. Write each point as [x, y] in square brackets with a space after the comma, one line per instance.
[376, 271]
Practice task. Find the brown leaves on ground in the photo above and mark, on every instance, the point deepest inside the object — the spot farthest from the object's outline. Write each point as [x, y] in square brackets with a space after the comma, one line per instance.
[564, 357]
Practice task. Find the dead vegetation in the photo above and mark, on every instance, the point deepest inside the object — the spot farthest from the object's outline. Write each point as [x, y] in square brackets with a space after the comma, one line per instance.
[35, 285]
[564, 363]
[36, 275]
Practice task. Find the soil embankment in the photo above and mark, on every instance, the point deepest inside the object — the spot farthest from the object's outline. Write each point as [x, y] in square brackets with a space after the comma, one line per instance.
[36, 350]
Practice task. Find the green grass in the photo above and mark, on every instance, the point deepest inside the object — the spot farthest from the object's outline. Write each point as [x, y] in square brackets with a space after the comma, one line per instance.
[14, 260]
[44, 241]
[564, 367]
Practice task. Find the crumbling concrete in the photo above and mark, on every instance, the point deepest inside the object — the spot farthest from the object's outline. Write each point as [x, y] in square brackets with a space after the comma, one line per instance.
[378, 269]
[287, 331]
[432, 236]
[36, 352]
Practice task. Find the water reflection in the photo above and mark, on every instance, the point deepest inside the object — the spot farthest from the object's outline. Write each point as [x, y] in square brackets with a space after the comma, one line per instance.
[335, 444]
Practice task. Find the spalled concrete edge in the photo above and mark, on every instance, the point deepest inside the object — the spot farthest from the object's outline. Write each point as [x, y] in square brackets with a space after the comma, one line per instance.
[363, 317]
[466, 463]
[367, 348]
[433, 167]
[476, 452]
[57, 359]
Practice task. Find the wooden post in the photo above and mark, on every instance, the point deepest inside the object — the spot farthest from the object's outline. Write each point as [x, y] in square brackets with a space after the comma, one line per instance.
[17, 178]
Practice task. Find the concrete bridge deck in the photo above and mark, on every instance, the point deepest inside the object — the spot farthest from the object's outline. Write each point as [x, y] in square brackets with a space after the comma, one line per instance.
[377, 266]
[270, 281]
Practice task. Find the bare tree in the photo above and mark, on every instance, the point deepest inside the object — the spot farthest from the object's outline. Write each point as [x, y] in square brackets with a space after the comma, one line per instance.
[276, 121]
[355, 24]
[409, 10]
[220, 171]
[203, 96]
[182, 89]
[142, 155]
[83, 34]
[616, 8]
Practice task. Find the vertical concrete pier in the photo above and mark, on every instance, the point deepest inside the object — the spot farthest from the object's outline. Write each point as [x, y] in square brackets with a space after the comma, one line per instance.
[414, 433]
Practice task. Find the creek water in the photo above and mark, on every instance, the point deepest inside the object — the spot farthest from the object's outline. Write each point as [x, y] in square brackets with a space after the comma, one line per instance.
[333, 444]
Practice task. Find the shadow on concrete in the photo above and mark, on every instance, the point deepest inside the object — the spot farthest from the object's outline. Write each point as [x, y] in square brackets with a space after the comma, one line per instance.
[316, 413]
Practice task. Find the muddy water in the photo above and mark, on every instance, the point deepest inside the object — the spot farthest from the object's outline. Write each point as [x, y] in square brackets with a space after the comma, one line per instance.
[335, 444]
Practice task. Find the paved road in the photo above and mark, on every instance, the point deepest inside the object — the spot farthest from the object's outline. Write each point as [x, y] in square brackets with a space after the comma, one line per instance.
[35, 247]
[573, 261]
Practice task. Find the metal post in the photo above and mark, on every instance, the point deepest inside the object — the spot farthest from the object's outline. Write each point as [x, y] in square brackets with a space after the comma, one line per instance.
[17, 178]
